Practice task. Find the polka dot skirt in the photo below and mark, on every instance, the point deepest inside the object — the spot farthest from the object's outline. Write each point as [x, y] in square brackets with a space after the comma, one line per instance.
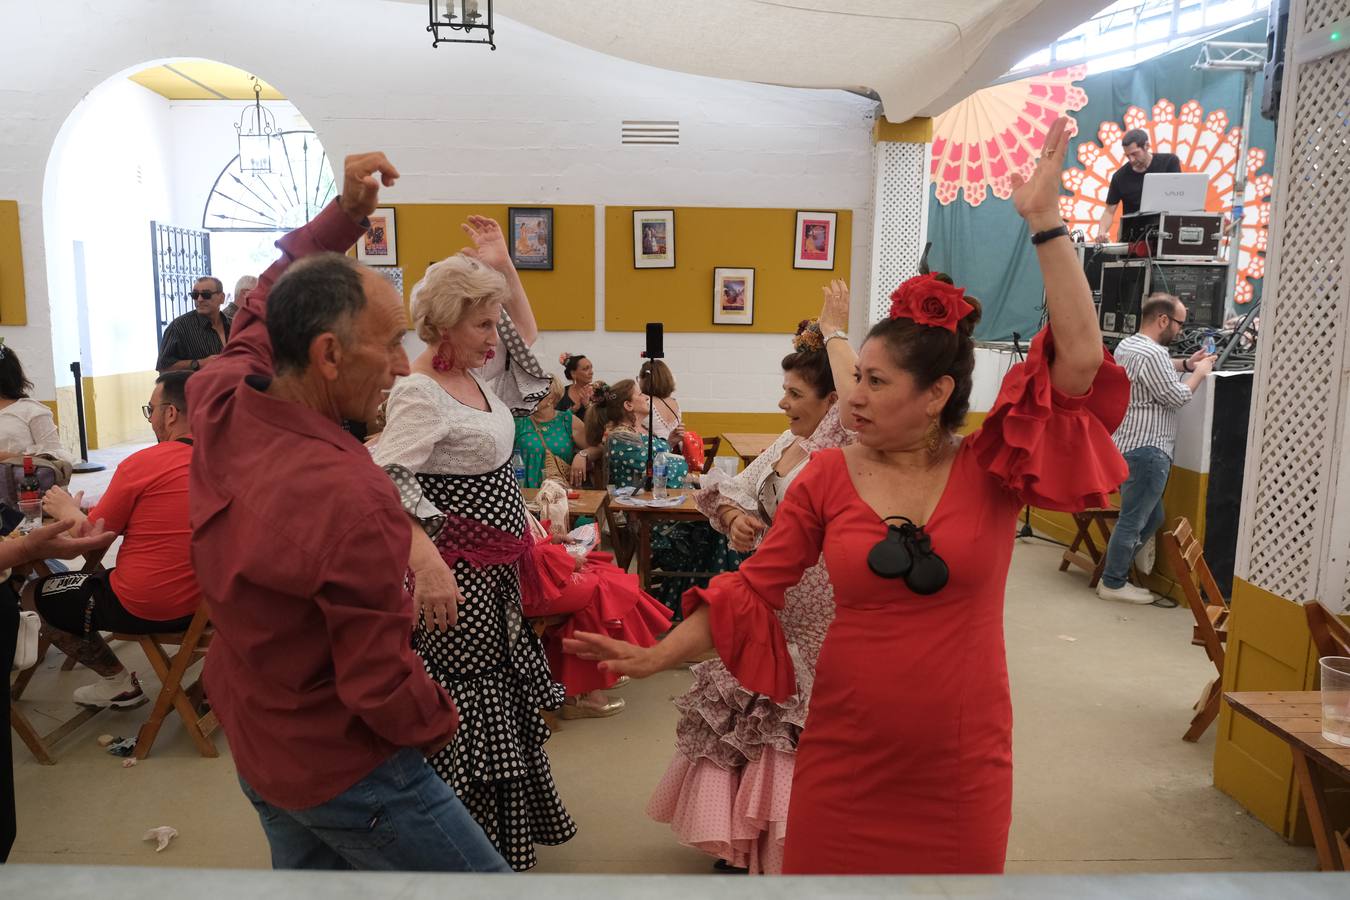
[494, 668]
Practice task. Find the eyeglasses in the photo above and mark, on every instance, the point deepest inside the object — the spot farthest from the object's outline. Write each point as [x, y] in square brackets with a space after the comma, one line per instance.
[906, 552]
[202, 295]
[149, 409]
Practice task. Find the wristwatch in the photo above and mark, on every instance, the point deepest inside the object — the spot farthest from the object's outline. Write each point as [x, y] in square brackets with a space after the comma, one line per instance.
[1049, 234]
[841, 335]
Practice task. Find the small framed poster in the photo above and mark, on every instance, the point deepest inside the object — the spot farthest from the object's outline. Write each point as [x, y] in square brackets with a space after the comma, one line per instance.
[379, 245]
[813, 241]
[530, 231]
[653, 238]
[733, 296]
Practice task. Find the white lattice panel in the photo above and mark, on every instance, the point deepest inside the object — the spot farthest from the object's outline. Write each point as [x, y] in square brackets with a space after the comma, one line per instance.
[901, 225]
[1292, 542]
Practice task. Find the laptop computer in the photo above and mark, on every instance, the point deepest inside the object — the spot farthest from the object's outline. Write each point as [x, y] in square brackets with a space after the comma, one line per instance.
[1174, 192]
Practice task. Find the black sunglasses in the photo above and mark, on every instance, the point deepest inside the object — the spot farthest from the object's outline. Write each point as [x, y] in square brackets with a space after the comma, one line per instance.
[204, 295]
[906, 552]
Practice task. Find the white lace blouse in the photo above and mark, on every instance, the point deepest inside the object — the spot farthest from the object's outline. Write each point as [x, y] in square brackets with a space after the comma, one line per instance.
[429, 432]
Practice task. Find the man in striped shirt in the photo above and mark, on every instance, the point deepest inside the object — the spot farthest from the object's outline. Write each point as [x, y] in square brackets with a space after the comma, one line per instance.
[1159, 386]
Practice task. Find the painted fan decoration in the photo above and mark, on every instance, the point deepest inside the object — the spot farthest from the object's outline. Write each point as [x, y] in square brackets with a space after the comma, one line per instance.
[980, 142]
[1204, 143]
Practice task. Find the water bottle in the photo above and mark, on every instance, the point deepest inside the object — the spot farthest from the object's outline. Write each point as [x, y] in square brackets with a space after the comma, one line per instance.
[659, 476]
[518, 467]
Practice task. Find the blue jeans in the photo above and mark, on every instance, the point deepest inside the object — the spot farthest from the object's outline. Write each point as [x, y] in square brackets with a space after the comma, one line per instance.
[1141, 511]
[400, 817]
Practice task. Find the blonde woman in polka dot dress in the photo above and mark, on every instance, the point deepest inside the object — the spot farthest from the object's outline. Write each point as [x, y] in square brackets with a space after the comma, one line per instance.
[447, 444]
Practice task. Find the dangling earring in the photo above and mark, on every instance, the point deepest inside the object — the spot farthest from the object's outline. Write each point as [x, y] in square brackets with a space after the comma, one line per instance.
[933, 438]
[444, 360]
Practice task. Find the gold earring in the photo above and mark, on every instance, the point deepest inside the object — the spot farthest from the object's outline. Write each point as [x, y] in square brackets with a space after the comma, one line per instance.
[933, 437]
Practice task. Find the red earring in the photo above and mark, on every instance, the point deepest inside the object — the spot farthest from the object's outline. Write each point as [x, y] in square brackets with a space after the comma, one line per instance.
[444, 360]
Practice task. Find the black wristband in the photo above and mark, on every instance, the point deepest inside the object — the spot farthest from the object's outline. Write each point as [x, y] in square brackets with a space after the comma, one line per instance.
[1041, 237]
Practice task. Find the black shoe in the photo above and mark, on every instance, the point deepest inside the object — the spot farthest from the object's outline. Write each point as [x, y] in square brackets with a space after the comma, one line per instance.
[727, 868]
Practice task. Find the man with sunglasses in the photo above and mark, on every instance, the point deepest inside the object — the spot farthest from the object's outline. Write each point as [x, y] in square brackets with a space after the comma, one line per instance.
[153, 588]
[1159, 386]
[197, 336]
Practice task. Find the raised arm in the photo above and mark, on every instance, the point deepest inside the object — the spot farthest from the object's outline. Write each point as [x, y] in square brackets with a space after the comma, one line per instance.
[1068, 299]
[489, 247]
[833, 319]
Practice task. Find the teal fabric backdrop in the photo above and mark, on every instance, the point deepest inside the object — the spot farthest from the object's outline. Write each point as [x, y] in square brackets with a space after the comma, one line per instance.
[985, 248]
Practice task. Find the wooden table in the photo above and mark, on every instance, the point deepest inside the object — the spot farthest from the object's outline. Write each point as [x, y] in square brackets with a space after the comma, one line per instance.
[749, 446]
[1295, 717]
[590, 504]
[642, 517]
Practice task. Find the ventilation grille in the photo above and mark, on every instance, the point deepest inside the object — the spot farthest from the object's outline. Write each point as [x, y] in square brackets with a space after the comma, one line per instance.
[901, 198]
[650, 132]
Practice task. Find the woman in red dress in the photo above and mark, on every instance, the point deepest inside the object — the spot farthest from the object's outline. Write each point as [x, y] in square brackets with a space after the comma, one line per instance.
[905, 763]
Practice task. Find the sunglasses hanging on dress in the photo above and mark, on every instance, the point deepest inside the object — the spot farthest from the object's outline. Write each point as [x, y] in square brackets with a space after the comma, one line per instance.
[906, 552]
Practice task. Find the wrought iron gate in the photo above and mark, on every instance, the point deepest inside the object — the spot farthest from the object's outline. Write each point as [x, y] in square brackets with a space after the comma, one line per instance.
[180, 257]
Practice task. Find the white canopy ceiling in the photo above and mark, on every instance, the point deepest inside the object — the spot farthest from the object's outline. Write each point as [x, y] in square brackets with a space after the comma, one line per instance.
[919, 56]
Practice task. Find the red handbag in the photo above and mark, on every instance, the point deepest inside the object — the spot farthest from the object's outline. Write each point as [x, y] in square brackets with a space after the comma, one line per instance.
[693, 450]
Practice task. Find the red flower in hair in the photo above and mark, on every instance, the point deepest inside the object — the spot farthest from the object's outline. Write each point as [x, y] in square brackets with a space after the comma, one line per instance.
[928, 301]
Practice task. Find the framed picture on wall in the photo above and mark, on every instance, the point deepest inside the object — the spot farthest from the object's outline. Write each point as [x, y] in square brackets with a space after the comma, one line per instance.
[379, 245]
[530, 234]
[813, 241]
[733, 296]
[653, 238]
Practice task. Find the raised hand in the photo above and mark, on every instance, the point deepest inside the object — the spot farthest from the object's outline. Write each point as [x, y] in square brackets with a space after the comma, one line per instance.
[362, 176]
[834, 314]
[1036, 199]
[489, 244]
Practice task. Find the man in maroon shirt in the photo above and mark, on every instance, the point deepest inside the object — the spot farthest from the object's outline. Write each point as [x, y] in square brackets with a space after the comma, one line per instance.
[300, 544]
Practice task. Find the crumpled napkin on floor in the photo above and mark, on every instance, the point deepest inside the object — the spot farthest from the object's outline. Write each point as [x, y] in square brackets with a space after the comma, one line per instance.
[161, 835]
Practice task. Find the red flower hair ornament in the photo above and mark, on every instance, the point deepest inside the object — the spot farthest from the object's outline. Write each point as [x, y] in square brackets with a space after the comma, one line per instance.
[927, 301]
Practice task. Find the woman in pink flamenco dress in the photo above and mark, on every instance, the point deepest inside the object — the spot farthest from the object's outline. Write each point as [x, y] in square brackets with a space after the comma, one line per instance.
[727, 788]
[905, 764]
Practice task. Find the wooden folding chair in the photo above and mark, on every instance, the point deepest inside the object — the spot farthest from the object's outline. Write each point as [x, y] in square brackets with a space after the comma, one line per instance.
[187, 700]
[710, 447]
[1095, 559]
[1186, 557]
[1330, 635]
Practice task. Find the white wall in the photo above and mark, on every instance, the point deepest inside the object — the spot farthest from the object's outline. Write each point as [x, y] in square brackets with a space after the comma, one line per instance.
[103, 193]
[535, 122]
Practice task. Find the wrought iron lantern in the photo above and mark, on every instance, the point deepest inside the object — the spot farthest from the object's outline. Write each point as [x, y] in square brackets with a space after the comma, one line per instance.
[256, 127]
[465, 16]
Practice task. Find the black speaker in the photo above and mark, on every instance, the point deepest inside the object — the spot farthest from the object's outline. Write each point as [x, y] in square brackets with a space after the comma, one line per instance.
[1124, 286]
[656, 339]
[1277, 31]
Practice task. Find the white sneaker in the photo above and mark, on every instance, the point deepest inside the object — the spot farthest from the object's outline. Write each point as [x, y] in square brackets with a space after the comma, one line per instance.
[120, 692]
[1146, 556]
[1127, 593]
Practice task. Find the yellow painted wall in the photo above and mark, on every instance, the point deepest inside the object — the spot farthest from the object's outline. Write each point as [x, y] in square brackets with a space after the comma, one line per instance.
[112, 408]
[563, 298]
[707, 238]
[13, 304]
[1269, 649]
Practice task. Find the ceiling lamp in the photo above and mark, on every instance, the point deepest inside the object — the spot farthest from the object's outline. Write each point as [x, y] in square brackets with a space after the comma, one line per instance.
[256, 128]
[467, 16]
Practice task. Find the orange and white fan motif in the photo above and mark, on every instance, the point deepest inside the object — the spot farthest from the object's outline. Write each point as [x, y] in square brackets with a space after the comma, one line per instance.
[1204, 143]
[980, 142]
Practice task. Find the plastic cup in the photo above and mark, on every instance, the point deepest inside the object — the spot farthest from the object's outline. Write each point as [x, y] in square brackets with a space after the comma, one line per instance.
[728, 465]
[1336, 699]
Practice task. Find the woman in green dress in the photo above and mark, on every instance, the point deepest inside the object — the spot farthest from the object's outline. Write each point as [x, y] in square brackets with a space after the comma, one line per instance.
[553, 443]
[617, 421]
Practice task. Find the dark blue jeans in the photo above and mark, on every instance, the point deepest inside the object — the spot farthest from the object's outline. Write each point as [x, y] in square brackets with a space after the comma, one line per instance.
[1141, 511]
[400, 817]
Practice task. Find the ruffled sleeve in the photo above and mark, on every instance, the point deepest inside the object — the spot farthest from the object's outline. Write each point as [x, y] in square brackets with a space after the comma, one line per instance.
[741, 489]
[415, 422]
[742, 605]
[514, 374]
[1049, 449]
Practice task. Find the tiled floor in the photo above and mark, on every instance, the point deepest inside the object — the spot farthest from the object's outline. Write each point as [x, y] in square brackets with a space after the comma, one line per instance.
[1103, 782]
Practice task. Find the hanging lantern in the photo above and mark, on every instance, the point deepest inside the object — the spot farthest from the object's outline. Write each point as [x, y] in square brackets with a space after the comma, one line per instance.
[466, 16]
[256, 127]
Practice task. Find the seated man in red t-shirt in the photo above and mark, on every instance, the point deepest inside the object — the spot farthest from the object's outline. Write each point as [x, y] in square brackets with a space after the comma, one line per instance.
[153, 588]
